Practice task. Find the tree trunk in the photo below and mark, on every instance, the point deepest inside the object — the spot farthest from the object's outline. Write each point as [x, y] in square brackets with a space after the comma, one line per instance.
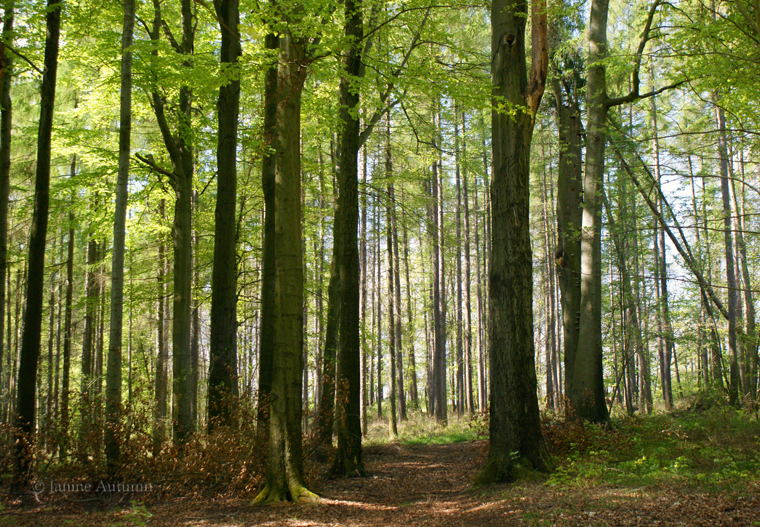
[733, 296]
[439, 298]
[515, 422]
[349, 426]
[6, 126]
[569, 218]
[162, 352]
[401, 399]
[482, 391]
[30, 341]
[363, 268]
[285, 460]
[266, 334]
[113, 381]
[750, 337]
[223, 382]
[460, 355]
[467, 277]
[587, 395]
[410, 328]
[661, 260]
[391, 299]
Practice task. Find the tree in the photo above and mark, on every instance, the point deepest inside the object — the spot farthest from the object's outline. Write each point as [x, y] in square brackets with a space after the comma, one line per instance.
[31, 336]
[179, 146]
[515, 424]
[113, 386]
[6, 126]
[285, 462]
[348, 460]
[223, 339]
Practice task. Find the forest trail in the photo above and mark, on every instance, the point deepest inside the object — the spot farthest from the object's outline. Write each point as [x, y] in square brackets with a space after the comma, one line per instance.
[422, 485]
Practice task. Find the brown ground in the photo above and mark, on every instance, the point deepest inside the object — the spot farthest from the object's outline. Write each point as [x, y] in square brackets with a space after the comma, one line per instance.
[426, 485]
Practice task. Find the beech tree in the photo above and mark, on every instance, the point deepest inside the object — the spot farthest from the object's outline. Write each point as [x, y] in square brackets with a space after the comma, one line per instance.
[515, 424]
[223, 381]
[32, 332]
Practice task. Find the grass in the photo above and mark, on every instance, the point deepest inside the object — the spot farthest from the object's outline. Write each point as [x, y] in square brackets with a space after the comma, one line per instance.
[420, 430]
[716, 450]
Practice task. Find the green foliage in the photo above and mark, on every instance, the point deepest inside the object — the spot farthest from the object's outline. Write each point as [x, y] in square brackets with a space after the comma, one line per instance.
[714, 451]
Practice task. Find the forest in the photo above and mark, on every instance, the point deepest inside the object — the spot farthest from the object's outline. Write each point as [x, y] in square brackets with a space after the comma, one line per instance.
[396, 263]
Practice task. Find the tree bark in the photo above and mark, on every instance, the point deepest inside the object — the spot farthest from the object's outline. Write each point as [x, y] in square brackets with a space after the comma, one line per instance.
[515, 423]
[460, 356]
[6, 127]
[223, 382]
[285, 460]
[569, 218]
[113, 379]
[162, 352]
[401, 395]
[349, 426]
[733, 296]
[410, 328]
[31, 336]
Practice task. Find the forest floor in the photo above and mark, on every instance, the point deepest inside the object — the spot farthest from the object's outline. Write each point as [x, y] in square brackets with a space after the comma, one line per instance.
[424, 483]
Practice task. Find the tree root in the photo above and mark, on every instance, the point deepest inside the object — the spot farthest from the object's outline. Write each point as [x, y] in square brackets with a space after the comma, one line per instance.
[293, 494]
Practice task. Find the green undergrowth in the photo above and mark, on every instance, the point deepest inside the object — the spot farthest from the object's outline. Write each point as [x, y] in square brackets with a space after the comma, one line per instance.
[716, 450]
[420, 430]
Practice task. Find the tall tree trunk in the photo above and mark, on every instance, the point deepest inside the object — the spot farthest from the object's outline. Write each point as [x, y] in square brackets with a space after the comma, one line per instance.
[326, 414]
[180, 149]
[363, 286]
[439, 295]
[749, 339]
[733, 296]
[410, 328]
[460, 357]
[268, 162]
[379, 308]
[515, 423]
[162, 352]
[569, 218]
[6, 126]
[401, 395]
[68, 331]
[349, 455]
[113, 380]
[30, 342]
[482, 391]
[467, 277]
[285, 460]
[223, 382]
[661, 257]
[391, 300]
[551, 343]
[587, 395]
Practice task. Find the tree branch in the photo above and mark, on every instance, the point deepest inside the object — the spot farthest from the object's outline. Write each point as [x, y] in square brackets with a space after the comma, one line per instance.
[645, 37]
[28, 61]
[149, 161]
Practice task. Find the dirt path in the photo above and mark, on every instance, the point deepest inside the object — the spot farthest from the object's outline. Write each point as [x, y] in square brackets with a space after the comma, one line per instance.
[425, 485]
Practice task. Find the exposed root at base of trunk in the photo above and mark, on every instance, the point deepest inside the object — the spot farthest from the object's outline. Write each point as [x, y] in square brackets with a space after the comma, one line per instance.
[293, 494]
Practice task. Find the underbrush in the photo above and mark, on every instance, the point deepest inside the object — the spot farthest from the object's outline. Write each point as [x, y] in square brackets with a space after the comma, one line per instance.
[712, 450]
[228, 461]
